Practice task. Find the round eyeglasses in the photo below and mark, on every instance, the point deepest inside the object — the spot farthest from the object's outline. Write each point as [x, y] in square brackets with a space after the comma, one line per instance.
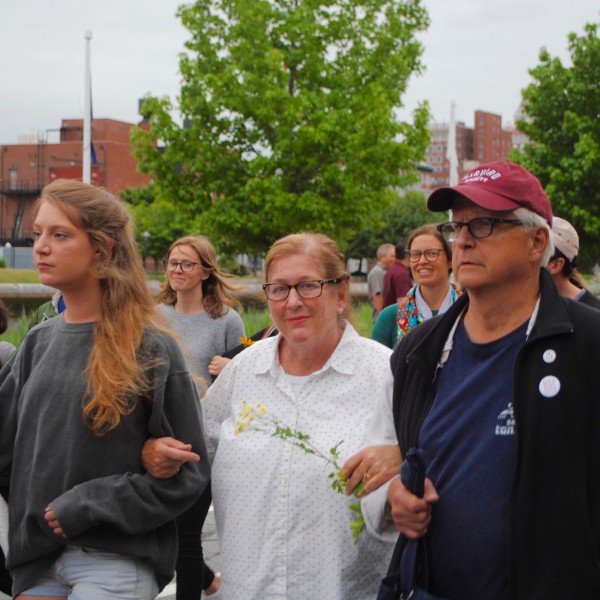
[186, 265]
[479, 228]
[304, 289]
[431, 254]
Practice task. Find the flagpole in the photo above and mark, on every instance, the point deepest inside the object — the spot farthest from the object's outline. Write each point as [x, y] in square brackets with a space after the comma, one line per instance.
[87, 113]
[451, 148]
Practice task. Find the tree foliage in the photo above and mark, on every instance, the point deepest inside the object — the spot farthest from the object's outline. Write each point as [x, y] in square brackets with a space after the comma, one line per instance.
[161, 218]
[290, 117]
[562, 108]
[405, 213]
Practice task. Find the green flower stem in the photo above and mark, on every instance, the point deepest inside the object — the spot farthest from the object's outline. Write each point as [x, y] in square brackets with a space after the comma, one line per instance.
[253, 417]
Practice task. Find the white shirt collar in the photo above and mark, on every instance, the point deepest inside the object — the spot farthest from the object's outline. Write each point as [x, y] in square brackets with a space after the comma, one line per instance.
[342, 360]
[423, 307]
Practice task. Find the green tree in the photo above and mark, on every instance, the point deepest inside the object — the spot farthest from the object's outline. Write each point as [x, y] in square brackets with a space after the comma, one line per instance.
[163, 220]
[562, 108]
[405, 213]
[290, 117]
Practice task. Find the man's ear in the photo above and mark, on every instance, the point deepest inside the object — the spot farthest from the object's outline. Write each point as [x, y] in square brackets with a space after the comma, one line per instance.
[555, 266]
[540, 237]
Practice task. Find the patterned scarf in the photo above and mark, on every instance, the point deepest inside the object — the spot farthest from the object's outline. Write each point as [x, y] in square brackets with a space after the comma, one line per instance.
[408, 314]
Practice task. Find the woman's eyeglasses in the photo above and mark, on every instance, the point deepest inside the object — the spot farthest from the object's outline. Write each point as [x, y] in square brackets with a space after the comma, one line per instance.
[186, 265]
[305, 289]
[431, 254]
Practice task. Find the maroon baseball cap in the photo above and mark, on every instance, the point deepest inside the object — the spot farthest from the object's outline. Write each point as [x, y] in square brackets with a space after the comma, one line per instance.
[499, 186]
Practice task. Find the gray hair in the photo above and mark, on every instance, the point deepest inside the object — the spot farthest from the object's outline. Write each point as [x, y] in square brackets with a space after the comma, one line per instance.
[531, 220]
[384, 249]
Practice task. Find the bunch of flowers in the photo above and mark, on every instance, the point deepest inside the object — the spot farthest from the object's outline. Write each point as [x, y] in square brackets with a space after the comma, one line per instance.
[256, 415]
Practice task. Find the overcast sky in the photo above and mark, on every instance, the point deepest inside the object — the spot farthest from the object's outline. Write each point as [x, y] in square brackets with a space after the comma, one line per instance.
[476, 54]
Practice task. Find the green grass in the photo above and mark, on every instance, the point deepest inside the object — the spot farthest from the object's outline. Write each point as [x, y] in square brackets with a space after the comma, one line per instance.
[255, 319]
[17, 329]
[18, 276]
[361, 319]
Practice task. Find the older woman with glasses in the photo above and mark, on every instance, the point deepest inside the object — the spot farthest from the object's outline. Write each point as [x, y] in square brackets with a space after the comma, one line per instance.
[198, 302]
[431, 264]
[283, 531]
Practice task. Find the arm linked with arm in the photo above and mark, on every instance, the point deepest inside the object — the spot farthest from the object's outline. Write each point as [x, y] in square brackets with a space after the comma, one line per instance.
[135, 502]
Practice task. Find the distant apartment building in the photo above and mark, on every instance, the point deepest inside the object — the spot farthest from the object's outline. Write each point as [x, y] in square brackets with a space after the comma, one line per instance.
[487, 141]
[490, 141]
[26, 167]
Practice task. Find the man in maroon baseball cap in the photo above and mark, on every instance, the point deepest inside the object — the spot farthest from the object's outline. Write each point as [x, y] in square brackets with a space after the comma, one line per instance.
[501, 394]
[497, 186]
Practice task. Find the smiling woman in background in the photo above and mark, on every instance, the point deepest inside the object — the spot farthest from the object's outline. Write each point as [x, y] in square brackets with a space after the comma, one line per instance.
[431, 264]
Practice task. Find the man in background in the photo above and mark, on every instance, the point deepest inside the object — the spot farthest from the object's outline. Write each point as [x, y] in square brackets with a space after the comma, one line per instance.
[386, 254]
[563, 265]
[397, 282]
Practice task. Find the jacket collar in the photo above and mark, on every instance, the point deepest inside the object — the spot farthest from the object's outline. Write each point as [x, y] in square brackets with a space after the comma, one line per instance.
[553, 317]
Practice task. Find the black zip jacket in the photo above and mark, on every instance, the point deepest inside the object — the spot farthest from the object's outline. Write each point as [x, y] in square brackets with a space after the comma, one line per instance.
[554, 510]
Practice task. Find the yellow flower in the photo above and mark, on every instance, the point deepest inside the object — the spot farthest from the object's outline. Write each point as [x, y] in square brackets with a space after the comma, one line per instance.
[247, 414]
[246, 341]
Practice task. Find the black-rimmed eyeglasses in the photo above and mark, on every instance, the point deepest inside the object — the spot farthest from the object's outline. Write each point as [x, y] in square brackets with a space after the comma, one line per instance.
[479, 228]
[186, 265]
[305, 289]
[431, 254]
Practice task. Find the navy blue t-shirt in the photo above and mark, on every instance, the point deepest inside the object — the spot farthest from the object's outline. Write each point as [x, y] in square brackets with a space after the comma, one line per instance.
[468, 437]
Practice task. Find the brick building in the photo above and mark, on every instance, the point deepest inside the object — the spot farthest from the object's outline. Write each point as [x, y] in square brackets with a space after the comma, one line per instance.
[490, 141]
[485, 142]
[25, 168]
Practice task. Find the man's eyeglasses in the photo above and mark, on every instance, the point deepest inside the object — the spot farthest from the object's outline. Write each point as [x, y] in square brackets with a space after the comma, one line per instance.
[479, 228]
[431, 254]
[186, 265]
[305, 289]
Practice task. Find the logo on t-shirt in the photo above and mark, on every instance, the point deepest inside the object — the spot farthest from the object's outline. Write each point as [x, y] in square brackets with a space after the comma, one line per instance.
[506, 421]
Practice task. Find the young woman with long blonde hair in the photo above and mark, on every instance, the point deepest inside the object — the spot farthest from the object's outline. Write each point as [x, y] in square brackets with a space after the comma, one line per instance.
[84, 392]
